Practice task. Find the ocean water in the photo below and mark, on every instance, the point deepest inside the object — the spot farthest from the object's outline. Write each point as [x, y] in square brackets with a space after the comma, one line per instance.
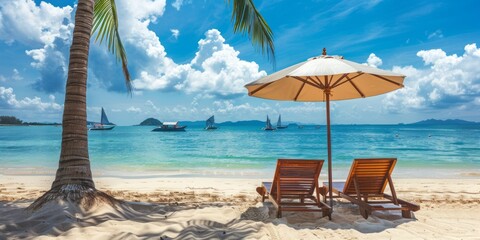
[247, 151]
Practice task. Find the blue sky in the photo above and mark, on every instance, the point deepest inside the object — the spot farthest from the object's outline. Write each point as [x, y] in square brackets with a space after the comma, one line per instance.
[187, 64]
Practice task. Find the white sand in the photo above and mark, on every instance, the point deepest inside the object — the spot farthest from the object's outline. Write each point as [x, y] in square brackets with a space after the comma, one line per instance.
[227, 208]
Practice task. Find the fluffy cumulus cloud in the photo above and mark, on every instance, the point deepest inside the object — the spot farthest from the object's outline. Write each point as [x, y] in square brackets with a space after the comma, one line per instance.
[215, 70]
[141, 10]
[373, 61]
[9, 100]
[24, 21]
[40, 25]
[141, 44]
[51, 62]
[448, 81]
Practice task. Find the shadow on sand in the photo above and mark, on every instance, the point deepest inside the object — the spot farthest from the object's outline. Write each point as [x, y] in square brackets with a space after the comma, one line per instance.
[345, 216]
[180, 221]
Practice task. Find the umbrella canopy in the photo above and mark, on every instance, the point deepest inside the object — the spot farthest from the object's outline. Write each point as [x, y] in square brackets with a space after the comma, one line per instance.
[322, 79]
[344, 79]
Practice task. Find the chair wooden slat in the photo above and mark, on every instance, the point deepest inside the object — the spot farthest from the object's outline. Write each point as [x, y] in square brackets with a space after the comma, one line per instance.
[296, 180]
[370, 177]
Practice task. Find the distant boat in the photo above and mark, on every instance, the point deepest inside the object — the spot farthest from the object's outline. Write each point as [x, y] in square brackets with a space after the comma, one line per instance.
[169, 127]
[210, 123]
[104, 124]
[279, 123]
[268, 126]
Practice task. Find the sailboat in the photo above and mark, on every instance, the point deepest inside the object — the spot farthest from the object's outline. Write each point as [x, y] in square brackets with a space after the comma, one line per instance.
[279, 123]
[268, 126]
[210, 123]
[104, 124]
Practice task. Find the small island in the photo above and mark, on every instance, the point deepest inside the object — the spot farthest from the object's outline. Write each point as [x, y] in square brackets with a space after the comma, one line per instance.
[444, 122]
[14, 121]
[150, 122]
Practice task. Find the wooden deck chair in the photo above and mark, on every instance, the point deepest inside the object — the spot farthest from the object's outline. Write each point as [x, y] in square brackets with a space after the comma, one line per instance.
[365, 186]
[296, 180]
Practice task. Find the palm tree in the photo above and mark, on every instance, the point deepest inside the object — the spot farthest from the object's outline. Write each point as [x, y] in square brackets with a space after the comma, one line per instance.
[73, 181]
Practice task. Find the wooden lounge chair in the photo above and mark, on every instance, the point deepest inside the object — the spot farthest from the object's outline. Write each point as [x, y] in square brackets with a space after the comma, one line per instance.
[297, 181]
[365, 187]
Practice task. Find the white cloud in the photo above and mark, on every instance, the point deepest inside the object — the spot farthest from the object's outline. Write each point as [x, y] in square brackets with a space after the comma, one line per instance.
[43, 24]
[134, 30]
[14, 76]
[142, 45]
[24, 21]
[134, 110]
[9, 99]
[451, 81]
[175, 33]
[177, 4]
[306, 107]
[215, 70]
[152, 106]
[52, 65]
[374, 61]
[141, 10]
[212, 43]
[228, 106]
[242, 110]
[436, 34]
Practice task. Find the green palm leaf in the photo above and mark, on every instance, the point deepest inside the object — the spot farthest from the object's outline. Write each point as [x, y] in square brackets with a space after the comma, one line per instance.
[247, 19]
[105, 25]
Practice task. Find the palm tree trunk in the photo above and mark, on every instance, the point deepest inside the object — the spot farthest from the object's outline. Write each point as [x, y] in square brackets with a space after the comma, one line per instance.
[73, 180]
[74, 164]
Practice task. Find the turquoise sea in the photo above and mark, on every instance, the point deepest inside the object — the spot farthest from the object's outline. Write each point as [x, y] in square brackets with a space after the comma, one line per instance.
[246, 151]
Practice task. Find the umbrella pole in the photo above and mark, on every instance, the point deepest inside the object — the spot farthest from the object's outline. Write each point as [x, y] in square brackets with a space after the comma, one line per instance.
[329, 149]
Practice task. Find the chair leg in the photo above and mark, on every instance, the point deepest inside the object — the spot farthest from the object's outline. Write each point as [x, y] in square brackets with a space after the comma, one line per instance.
[279, 212]
[327, 212]
[363, 212]
[406, 213]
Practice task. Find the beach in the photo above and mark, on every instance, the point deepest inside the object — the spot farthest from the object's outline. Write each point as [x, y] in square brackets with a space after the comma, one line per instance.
[229, 208]
[201, 185]
[200, 120]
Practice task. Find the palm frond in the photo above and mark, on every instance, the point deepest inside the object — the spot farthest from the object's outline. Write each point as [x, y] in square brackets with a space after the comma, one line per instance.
[248, 20]
[105, 26]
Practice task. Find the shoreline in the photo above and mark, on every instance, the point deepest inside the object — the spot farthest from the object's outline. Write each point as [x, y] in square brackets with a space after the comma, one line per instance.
[414, 189]
[339, 173]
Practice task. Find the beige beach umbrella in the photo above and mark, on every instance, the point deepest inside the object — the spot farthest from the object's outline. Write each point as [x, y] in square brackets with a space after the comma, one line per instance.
[324, 79]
